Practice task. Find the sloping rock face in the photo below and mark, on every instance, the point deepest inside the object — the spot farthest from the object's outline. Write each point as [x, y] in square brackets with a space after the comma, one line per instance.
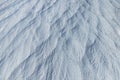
[59, 39]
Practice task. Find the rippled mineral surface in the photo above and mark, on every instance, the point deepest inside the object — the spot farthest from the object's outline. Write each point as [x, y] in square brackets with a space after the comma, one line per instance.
[59, 39]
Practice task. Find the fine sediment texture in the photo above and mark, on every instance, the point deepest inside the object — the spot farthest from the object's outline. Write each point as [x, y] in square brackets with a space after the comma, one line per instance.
[59, 39]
